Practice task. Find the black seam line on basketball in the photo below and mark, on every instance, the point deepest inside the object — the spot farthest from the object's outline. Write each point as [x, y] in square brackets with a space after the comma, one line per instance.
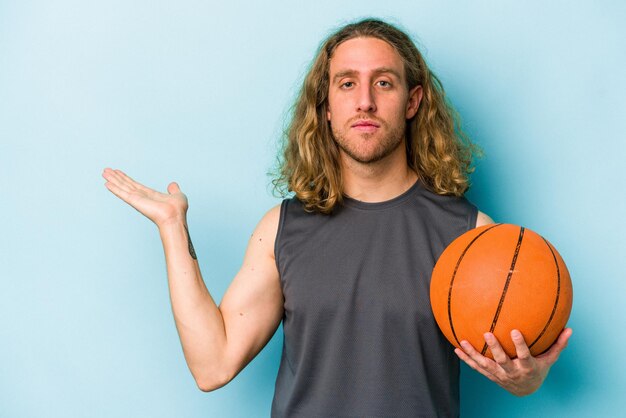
[454, 275]
[506, 285]
[558, 294]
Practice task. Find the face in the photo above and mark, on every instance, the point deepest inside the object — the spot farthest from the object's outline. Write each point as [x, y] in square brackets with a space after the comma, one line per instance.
[368, 99]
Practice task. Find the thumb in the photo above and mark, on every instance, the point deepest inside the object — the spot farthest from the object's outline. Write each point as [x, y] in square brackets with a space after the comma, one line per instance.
[552, 355]
[173, 188]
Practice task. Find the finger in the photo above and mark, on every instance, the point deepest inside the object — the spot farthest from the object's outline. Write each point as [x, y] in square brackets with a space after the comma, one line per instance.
[552, 355]
[498, 353]
[124, 182]
[111, 174]
[522, 350]
[173, 188]
[125, 179]
[128, 184]
[114, 178]
[564, 337]
[135, 185]
[108, 173]
[484, 362]
[117, 191]
[471, 363]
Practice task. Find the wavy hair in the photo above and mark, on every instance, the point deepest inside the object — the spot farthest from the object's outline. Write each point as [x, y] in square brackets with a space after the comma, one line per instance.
[437, 149]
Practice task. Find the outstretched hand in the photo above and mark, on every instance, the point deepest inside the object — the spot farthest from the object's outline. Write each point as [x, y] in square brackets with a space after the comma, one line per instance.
[160, 208]
[520, 376]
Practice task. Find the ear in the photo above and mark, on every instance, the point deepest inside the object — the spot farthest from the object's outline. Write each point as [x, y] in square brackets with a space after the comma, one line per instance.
[415, 98]
[327, 112]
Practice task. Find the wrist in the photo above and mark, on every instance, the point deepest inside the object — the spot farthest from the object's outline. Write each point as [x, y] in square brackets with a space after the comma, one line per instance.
[174, 232]
[174, 223]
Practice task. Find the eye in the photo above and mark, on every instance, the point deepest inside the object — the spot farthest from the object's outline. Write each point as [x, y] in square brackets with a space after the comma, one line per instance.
[384, 83]
[347, 84]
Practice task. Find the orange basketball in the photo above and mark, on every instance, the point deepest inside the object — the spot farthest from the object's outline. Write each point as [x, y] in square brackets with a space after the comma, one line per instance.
[497, 278]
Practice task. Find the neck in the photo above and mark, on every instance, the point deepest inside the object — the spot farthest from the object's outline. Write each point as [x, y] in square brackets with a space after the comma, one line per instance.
[379, 181]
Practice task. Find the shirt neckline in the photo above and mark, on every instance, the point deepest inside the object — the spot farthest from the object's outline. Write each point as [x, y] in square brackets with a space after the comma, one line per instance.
[354, 203]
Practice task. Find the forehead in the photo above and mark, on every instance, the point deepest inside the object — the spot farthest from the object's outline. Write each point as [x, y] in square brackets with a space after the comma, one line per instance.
[364, 55]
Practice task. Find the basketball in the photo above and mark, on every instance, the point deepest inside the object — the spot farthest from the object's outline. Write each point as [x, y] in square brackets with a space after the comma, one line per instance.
[497, 278]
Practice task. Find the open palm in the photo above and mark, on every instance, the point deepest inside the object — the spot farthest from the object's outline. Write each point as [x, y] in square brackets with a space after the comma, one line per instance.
[160, 208]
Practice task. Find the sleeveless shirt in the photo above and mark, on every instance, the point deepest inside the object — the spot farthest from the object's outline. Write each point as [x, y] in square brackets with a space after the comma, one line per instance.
[360, 339]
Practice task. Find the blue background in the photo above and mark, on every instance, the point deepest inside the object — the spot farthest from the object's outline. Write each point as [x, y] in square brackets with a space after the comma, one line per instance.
[196, 92]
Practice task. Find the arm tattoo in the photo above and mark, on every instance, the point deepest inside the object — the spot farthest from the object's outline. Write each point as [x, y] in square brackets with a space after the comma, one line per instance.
[192, 252]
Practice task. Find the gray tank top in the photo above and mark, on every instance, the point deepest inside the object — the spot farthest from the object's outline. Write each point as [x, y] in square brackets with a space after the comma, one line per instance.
[360, 339]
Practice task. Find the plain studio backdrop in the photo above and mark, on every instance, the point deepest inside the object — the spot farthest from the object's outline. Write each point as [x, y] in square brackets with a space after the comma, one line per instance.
[197, 92]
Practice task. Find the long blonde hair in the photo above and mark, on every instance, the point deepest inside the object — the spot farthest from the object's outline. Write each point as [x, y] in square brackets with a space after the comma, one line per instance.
[437, 149]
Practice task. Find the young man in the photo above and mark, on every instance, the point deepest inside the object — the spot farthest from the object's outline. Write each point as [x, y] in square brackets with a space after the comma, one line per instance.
[378, 168]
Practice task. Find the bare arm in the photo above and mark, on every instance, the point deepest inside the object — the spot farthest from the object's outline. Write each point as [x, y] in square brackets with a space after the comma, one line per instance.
[217, 342]
[483, 219]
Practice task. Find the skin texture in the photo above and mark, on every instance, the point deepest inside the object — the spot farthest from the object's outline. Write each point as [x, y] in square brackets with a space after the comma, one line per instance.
[367, 83]
[360, 92]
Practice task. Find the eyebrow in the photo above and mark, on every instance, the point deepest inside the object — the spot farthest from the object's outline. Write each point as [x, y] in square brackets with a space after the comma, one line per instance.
[377, 71]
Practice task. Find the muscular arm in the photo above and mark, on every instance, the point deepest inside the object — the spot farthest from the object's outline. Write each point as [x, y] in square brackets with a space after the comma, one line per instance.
[217, 341]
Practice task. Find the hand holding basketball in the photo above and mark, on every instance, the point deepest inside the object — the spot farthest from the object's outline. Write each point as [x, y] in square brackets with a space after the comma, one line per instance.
[520, 376]
[494, 286]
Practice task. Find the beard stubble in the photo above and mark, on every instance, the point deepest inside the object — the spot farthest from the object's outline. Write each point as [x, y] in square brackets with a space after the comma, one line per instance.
[353, 147]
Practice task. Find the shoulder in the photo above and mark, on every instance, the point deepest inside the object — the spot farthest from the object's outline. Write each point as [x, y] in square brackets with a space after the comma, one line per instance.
[482, 219]
[269, 222]
[262, 239]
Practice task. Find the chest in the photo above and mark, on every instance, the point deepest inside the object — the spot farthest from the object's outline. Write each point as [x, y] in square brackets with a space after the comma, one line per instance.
[373, 268]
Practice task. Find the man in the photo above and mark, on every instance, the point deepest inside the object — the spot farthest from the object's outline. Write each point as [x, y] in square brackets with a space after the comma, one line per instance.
[378, 168]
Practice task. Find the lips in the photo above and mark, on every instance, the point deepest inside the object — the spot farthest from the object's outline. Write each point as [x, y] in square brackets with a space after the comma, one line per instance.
[365, 123]
[365, 126]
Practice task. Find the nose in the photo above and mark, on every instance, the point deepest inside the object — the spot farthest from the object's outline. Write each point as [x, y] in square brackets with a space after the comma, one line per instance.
[365, 99]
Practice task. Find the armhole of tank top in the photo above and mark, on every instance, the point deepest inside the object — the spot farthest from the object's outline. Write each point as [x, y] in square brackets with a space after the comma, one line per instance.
[277, 241]
[472, 217]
